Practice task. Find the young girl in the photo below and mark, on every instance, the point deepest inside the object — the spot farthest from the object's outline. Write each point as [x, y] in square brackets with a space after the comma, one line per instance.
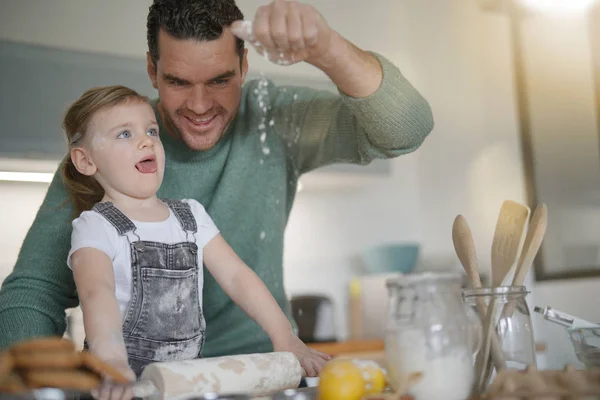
[137, 259]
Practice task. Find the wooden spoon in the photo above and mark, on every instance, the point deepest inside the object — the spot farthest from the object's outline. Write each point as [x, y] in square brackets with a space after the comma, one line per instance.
[465, 250]
[511, 225]
[531, 246]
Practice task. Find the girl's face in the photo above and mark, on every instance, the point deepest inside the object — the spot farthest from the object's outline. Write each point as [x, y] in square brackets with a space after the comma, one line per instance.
[123, 151]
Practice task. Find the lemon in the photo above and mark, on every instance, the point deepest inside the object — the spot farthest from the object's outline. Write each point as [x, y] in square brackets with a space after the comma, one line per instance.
[374, 379]
[341, 380]
[347, 379]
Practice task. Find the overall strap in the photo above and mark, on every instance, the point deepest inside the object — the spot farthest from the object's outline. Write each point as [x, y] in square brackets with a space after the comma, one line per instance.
[122, 224]
[184, 214]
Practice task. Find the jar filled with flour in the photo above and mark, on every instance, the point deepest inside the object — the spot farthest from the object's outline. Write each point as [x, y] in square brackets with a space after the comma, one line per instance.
[431, 337]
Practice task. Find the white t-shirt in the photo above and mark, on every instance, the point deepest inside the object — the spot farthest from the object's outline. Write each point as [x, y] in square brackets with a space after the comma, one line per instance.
[91, 229]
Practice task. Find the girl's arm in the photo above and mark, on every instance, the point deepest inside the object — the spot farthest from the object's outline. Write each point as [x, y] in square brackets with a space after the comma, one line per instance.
[246, 289]
[95, 281]
[249, 292]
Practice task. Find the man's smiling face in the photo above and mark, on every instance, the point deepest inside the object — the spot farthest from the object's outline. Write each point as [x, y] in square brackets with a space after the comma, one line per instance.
[199, 85]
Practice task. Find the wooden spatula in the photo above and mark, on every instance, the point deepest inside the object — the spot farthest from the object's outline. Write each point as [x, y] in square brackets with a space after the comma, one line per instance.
[510, 227]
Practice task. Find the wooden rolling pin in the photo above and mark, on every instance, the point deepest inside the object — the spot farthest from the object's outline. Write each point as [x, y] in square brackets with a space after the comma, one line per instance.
[255, 374]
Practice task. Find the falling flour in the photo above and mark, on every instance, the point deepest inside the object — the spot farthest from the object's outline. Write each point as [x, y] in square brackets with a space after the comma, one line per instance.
[292, 133]
[444, 377]
[262, 94]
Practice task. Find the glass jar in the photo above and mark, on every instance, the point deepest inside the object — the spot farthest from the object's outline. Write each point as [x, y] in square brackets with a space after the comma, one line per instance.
[512, 323]
[431, 337]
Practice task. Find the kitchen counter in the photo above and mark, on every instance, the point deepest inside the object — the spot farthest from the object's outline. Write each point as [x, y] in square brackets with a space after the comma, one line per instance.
[368, 349]
[363, 349]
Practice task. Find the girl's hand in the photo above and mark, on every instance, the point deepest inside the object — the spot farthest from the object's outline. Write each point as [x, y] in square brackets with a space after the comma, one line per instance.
[312, 361]
[112, 391]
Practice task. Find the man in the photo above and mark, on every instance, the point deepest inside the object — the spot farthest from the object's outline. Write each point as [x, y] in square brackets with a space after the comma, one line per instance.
[237, 149]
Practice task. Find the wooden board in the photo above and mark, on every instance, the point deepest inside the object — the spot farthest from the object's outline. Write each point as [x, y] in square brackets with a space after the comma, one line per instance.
[350, 346]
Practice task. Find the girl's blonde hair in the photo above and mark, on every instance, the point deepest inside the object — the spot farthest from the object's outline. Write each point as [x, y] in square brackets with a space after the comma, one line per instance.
[84, 191]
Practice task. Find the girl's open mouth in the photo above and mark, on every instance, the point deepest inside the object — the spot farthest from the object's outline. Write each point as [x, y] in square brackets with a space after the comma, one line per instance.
[147, 165]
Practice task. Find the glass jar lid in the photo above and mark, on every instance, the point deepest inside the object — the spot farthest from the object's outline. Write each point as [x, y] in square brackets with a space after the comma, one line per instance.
[428, 277]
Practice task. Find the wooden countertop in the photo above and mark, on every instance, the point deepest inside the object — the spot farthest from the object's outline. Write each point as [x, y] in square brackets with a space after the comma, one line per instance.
[350, 346]
[362, 349]
[373, 349]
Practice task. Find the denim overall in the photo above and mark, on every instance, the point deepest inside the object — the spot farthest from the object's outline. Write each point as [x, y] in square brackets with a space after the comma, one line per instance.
[164, 320]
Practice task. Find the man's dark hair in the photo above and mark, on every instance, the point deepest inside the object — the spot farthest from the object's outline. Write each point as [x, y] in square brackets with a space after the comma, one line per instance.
[191, 19]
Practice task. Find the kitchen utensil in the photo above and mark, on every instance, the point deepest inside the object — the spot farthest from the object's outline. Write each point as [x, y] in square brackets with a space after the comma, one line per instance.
[584, 335]
[531, 246]
[465, 250]
[511, 224]
[564, 319]
[510, 227]
[253, 374]
[29, 365]
[392, 257]
[586, 343]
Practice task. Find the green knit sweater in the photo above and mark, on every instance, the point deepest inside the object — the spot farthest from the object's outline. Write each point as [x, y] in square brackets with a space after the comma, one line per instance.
[247, 183]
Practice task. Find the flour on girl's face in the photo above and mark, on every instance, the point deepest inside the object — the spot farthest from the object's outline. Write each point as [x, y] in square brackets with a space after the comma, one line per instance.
[98, 141]
[119, 138]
